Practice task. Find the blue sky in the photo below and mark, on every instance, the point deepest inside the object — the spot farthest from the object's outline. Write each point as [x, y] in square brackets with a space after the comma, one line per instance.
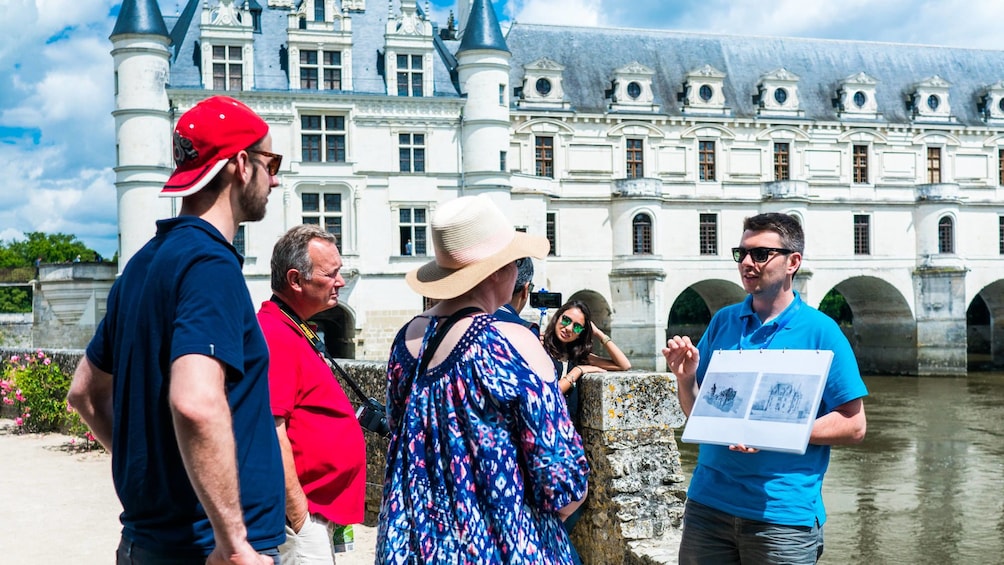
[57, 135]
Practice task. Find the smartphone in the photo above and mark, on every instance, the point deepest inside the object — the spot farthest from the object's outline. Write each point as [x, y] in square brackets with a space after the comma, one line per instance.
[545, 300]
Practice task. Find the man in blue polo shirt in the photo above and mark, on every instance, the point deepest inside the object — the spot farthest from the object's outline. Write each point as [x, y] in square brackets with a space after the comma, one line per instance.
[744, 505]
[175, 380]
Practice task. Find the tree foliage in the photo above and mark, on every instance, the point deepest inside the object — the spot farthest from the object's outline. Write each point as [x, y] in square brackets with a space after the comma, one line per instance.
[15, 299]
[51, 248]
[835, 306]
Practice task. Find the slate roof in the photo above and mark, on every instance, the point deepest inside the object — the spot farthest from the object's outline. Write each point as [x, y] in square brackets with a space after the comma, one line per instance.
[139, 16]
[590, 56]
[483, 29]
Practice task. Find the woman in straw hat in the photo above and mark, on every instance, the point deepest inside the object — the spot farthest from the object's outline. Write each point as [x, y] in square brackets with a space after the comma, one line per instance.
[483, 463]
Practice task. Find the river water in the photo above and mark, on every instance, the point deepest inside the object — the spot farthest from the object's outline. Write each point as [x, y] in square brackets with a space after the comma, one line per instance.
[927, 484]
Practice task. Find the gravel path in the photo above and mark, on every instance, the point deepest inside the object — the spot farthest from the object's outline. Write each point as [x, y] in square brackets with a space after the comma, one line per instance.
[58, 505]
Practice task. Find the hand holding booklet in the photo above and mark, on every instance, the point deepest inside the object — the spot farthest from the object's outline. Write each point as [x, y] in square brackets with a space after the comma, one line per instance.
[762, 398]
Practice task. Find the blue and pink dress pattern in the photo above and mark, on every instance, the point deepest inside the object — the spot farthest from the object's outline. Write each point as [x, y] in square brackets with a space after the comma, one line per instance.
[482, 457]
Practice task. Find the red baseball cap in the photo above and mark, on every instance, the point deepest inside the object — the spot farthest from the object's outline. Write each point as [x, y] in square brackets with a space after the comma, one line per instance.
[206, 137]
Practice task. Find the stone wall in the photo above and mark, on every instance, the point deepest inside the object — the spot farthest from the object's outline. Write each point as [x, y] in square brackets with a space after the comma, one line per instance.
[636, 495]
[15, 330]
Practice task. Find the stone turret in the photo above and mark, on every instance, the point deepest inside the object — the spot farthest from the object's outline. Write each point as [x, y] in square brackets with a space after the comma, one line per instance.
[483, 73]
[140, 49]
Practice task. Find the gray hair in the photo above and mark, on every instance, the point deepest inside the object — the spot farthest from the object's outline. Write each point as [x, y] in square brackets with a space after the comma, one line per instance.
[524, 274]
[291, 252]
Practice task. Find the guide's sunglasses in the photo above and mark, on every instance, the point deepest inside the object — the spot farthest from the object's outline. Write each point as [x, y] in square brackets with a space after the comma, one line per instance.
[274, 161]
[759, 254]
[576, 327]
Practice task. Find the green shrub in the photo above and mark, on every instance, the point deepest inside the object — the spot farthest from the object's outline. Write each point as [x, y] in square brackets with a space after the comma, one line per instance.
[36, 389]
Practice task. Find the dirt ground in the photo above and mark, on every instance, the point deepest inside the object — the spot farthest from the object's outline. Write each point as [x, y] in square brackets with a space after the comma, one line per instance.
[58, 505]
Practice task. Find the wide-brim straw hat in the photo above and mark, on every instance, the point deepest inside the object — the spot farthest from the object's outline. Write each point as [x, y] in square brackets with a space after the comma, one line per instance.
[472, 239]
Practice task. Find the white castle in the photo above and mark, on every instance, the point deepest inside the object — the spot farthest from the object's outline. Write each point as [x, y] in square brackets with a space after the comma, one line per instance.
[636, 152]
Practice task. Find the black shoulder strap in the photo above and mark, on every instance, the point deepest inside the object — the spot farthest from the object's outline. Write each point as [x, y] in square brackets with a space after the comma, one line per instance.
[440, 333]
[318, 345]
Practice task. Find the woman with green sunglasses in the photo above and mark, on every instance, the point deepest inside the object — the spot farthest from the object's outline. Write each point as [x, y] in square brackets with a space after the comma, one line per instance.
[569, 338]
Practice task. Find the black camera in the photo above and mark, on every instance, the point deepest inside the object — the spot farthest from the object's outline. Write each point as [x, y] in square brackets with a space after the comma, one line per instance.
[372, 416]
[545, 299]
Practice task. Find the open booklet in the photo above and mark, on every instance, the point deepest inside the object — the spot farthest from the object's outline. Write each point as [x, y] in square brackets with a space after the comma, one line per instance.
[762, 398]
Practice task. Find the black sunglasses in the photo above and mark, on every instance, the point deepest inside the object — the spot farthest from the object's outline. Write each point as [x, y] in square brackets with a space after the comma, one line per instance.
[759, 254]
[274, 161]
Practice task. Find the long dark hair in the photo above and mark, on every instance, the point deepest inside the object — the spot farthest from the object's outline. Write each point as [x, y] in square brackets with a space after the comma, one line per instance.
[577, 351]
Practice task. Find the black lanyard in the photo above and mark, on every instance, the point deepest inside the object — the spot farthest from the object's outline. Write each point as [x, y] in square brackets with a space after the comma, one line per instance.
[318, 346]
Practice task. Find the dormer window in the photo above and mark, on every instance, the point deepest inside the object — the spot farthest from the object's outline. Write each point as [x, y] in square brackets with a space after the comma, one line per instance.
[704, 92]
[929, 100]
[856, 98]
[777, 94]
[991, 103]
[632, 89]
[542, 86]
[227, 47]
[320, 47]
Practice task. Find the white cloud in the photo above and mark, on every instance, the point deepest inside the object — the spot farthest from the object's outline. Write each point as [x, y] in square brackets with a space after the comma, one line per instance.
[556, 12]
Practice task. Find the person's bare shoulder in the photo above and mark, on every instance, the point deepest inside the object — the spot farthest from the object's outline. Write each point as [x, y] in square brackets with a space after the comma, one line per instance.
[529, 347]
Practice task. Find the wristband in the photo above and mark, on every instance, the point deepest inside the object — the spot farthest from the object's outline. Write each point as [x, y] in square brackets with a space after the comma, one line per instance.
[605, 340]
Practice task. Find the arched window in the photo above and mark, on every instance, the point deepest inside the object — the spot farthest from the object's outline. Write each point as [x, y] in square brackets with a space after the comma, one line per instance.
[642, 229]
[946, 235]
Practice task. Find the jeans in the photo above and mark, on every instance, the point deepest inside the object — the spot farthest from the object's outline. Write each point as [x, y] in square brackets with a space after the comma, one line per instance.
[129, 554]
[712, 537]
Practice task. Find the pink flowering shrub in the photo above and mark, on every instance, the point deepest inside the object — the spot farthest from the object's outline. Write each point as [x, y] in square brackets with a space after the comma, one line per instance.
[35, 387]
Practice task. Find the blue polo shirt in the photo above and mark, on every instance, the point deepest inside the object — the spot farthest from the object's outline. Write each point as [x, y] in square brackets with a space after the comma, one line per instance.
[778, 488]
[183, 293]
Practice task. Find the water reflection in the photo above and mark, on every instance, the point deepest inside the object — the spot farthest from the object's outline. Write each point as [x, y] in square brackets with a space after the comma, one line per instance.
[927, 484]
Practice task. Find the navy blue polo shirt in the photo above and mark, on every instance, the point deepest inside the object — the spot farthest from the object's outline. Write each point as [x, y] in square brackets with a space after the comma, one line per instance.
[183, 293]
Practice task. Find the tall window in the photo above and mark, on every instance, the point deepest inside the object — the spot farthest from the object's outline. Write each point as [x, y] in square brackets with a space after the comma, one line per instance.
[329, 70]
[411, 148]
[322, 139]
[413, 226]
[1000, 234]
[1000, 165]
[860, 165]
[502, 161]
[544, 156]
[318, 10]
[946, 235]
[240, 243]
[551, 229]
[409, 75]
[708, 234]
[933, 165]
[706, 160]
[781, 162]
[862, 234]
[635, 159]
[228, 67]
[323, 209]
[642, 234]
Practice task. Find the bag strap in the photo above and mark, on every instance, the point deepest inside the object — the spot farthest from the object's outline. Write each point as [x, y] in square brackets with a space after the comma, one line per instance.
[318, 346]
[440, 333]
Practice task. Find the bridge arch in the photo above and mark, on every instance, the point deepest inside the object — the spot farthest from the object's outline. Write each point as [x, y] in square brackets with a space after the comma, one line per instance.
[985, 327]
[337, 329]
[883, 333]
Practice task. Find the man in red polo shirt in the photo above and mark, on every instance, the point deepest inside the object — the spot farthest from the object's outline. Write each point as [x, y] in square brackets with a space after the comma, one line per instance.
[323, 451]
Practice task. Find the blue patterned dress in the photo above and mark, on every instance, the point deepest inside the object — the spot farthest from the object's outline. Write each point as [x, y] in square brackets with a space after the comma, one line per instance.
[474, 428]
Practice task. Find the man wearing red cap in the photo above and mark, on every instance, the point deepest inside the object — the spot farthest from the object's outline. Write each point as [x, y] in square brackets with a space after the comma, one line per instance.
[175, 380]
